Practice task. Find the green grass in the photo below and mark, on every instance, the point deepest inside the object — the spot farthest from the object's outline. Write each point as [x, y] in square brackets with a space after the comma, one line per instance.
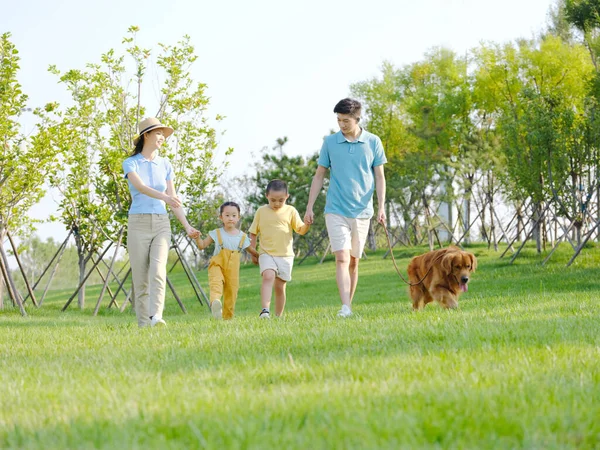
[516, 366]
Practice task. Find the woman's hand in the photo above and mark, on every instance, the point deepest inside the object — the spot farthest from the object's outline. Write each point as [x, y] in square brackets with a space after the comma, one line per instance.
[173, 201]
[192, 232]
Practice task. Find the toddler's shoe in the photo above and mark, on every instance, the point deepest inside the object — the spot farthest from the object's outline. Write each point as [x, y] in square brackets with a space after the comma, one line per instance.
[216, 308]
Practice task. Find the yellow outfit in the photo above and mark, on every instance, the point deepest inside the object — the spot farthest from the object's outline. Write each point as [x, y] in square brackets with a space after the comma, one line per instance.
[224, 275]
[275, 229]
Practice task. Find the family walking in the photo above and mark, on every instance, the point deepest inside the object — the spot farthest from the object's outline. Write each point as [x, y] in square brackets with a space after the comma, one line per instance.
[354, 159]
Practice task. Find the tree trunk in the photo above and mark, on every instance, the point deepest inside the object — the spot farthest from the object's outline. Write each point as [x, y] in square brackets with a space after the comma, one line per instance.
[371, 243]
[493, 224]
[81, 264]
[2, 287]
[428, 223]
[597, 194]
[467, 215]
[519, 222]
[484, 233]
[536, 234]
[388, 214]
[450, 197]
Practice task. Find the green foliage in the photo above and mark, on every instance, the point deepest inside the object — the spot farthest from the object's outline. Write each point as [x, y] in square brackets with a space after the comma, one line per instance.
[536, 92]
[101, 125]
[25, 163]
[423, 113]
[184, 105]
[96, 134]
[583, 14]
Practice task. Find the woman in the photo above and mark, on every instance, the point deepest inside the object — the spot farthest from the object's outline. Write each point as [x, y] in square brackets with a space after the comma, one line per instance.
[150, 179]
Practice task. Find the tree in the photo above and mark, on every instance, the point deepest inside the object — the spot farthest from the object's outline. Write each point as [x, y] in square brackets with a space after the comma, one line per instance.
[108, 102]
[25, 164]
[535, 91]
[421, 112]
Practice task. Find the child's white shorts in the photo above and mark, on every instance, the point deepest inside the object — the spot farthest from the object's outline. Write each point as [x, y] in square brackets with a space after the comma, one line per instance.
[282, 265]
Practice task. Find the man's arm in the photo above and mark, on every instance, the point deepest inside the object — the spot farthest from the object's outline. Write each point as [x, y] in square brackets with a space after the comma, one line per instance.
[315, 189]
[380, 188]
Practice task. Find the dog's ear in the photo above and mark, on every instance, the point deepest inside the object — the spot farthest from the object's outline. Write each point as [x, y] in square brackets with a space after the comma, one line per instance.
[446, 262]
[473, 261]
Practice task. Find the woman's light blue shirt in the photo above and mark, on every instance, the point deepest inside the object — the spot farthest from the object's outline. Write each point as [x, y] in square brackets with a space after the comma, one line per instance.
[154, 174]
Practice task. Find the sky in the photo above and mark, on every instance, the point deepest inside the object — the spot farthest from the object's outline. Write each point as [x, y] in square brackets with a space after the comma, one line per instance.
[273, 68]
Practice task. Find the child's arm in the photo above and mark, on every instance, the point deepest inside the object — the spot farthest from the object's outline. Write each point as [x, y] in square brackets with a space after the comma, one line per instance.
[296, 221]
[203, 243]
[252, 251]
[252, 248]
[303, 229]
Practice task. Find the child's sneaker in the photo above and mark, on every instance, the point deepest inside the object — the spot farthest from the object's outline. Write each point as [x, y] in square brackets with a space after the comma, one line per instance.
[345, 311]
[265, 314]
[216, 308]
[157, 322]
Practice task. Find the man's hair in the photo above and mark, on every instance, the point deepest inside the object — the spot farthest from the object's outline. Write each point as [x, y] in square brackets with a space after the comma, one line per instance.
[348, 106]
[222, 207]
[277, 185]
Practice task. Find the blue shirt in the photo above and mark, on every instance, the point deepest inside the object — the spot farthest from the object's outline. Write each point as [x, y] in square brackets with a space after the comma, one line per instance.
[352, 178]
[154, 174]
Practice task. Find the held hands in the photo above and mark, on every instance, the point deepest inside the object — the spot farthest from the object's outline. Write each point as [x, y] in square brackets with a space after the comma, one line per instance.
[192, 232]
[255, 260]
[309, 216]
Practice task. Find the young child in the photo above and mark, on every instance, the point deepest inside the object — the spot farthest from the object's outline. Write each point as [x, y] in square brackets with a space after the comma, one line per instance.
[275, 223]
[224, 266]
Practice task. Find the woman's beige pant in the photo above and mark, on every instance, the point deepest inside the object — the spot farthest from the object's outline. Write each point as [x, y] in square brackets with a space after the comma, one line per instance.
[148, 243]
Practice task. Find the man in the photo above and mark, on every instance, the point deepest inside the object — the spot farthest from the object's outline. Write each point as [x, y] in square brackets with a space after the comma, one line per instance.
[355, 159]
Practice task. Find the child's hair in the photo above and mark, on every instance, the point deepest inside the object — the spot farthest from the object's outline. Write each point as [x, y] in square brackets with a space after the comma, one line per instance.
[234, 204]
[277, 185]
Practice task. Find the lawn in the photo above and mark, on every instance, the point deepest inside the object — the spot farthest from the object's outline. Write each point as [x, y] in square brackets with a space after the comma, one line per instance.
[516, 366]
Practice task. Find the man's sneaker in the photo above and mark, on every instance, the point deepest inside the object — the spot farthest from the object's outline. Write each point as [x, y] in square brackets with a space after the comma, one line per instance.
[216, 308]
[345, 311]
[265, 314]
[157, 322]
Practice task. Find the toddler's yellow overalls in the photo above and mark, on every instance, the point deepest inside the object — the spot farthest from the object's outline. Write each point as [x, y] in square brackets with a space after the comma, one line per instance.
[224, 275]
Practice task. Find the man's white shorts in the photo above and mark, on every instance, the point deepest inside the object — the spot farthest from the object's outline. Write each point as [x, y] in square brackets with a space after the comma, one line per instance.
[282, 265]
[346, 233]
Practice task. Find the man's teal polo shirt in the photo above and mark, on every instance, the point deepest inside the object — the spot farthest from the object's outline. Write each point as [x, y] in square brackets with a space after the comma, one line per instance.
[352, 178]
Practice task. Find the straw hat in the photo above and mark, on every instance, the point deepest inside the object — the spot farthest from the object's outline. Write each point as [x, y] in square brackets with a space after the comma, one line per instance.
[149, 124]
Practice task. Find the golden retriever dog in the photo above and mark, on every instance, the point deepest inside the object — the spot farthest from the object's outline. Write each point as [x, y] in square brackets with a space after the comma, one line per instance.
[446, 273]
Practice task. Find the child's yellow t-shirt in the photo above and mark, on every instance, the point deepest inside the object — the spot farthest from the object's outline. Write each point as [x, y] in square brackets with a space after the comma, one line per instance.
[275, 229]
